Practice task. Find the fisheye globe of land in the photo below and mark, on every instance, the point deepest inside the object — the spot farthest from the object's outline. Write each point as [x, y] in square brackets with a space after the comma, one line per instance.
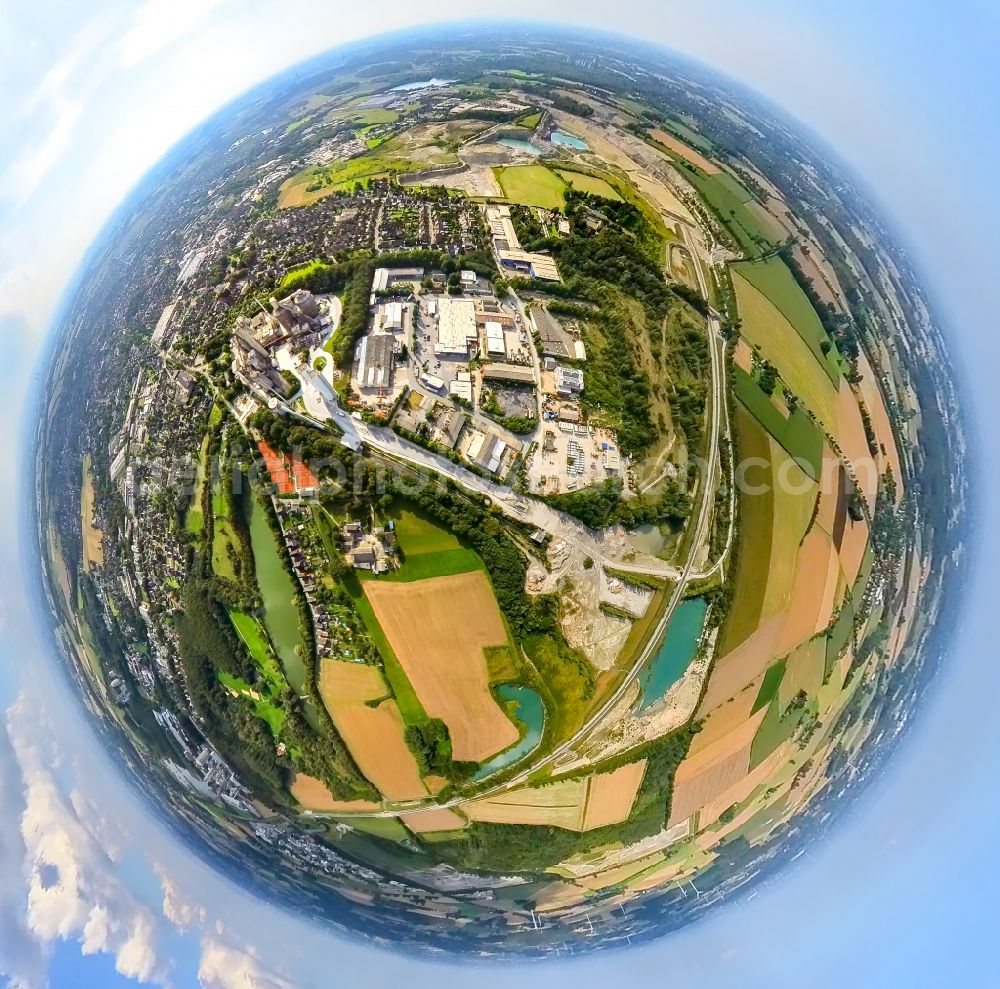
[481, 491]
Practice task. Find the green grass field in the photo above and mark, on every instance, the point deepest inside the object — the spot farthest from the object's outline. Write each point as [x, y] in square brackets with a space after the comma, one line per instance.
[769, 687]
[365, 116]
[299, 273]
[798, 434]
[255, 639]
[532, 185]
[756, 534]
[766, 327]
[223, 538]
[775, 281]
[264, 708]
[774, 730]
[592, 184]
[728, 199]
[380, 827]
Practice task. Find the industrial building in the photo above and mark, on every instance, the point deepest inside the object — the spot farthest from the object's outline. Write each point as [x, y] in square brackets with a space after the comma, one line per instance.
[507, 248]
[384, 279]
[556, 341]
[569, 381]
[486, 450]
[456, 329]
[495, 346]
[461, 387]
[374, 361]
[516, 374]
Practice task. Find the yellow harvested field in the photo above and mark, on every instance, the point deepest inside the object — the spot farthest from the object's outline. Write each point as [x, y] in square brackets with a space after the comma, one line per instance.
[438, 629]
[685, 151]
[850, 434]
[710, 812]
[375, 737]
[804, 671]
[726, 717]
[742, 665]
[435, 784]
[576, 805]
[764, 325]
[852, 549]
[743, 355]
[93, 541]
[888, 455]
[794, 500]
[436, 819]
[561, 898]
[814, 598]
[611, 795]
[701, 777]
[313, 794]
[620, 874]
[831, 480]
[349, 683]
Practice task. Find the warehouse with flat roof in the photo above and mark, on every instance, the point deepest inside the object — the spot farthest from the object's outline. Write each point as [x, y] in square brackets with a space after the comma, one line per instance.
[456, 328]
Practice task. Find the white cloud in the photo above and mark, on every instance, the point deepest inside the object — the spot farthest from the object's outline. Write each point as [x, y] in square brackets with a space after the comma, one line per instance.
[21, 957]
[159, 23]
[225, 967]
[73, 890]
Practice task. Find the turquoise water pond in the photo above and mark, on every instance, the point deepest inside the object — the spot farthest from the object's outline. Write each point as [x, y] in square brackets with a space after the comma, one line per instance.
[680, 643]
[517, 144]
[529, 710]
[569, 141]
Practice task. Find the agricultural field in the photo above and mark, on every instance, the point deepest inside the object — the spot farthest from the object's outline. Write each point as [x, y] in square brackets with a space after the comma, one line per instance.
[532, 185]
[766, 327]
[438, 628]
[576, 805]
[678, 147]
[374, 732]
[775, 281]
[754, 231]
[93, 546]
[592, 184]
[313, 794]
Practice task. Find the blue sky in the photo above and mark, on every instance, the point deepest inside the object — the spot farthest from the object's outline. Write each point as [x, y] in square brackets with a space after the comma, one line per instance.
[905, 894]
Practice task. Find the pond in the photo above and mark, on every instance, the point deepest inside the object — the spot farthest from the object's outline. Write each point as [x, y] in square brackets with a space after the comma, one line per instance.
[648, 539]
[529, 710]
[679, 646]
[281, 614]
[568, 141]
[517, 144]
